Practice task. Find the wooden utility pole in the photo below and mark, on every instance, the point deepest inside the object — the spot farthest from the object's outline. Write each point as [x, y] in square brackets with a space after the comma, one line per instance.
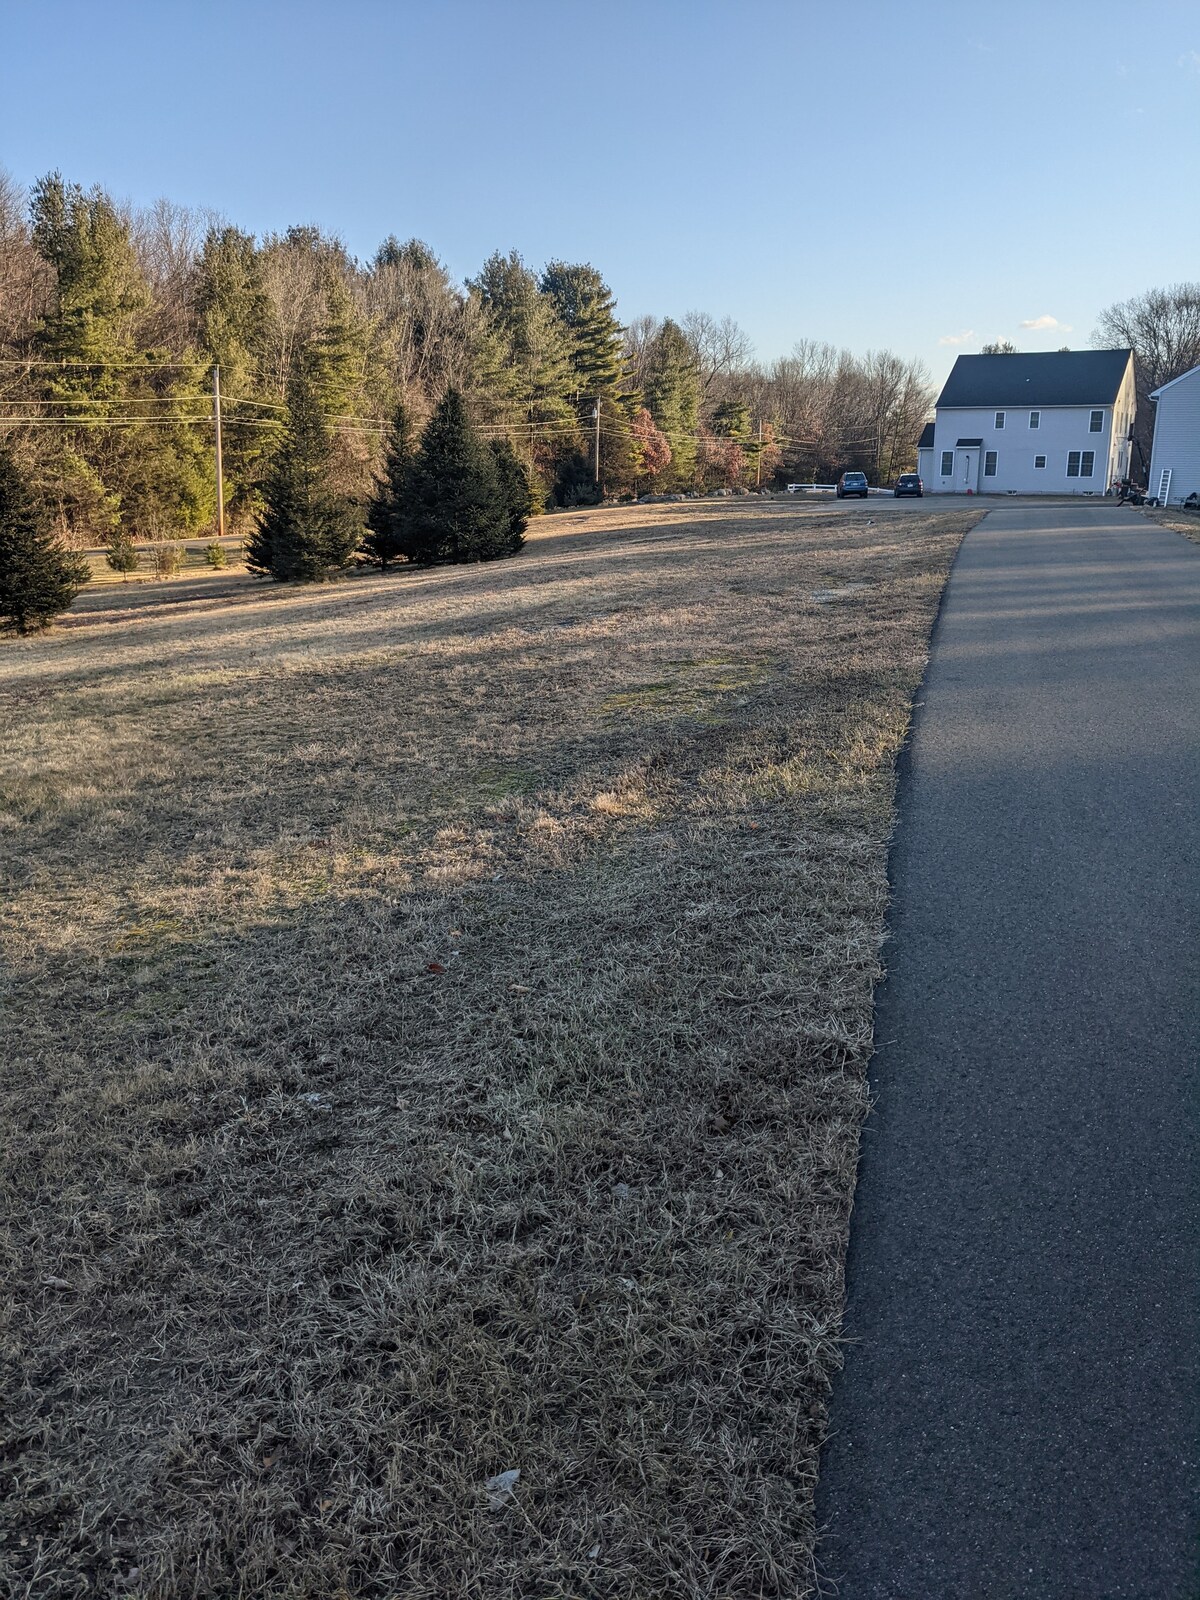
[758, 462]
[217, 432]
[596, 414]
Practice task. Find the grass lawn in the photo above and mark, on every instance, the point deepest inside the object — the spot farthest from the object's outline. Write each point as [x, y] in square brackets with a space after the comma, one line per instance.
[1177, 519]
[435, 1026]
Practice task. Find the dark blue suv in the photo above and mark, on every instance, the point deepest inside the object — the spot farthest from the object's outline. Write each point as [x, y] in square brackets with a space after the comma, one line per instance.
[851, 483]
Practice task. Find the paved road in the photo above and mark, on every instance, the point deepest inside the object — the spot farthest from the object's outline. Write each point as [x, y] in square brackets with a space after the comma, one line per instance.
[1018, 1416]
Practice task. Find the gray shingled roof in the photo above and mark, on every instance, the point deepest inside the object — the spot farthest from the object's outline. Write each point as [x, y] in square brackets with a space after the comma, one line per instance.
[925, 442]
[1049, 378]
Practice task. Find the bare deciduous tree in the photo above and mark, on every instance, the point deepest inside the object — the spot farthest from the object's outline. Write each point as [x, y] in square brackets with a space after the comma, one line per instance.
[26, 280]
[1162, 328]
[835, 410]
[722, 348]
[640, 335]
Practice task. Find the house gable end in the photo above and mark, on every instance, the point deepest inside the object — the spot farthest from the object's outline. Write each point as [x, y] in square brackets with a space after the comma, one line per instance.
[1182, 378]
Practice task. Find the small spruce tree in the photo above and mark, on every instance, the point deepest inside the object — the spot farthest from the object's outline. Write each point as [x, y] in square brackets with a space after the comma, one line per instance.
[122, 555]
[305, 530]
[455, 509]
[38, 578]
[515, 490]
[386, 541]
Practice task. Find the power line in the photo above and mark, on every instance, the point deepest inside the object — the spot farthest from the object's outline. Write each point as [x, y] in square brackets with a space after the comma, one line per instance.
[116, 366]
[626, 431]
[114, 400]
[373, 427]
[610, 426]
[103, 421]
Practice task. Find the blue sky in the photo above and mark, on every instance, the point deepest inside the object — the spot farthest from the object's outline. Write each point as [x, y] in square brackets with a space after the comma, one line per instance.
[879, 174]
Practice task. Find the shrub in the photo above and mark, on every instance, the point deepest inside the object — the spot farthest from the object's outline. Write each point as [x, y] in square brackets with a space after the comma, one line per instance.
[166, 559]
[215, 555]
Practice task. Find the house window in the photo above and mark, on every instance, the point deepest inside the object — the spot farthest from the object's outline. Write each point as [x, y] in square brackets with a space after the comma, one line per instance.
[947, 463]
[1080, 463]
[999, 419]
[989, 464]
[1096, 424]
[1072, 463]
[1035, 419]
[1087, 463]
[1039, 461]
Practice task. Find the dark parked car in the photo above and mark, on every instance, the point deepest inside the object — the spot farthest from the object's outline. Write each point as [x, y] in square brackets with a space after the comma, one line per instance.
[908, 483]
[851, 483]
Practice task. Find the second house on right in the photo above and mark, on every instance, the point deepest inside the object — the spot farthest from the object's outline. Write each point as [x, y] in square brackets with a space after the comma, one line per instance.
[1056, 422]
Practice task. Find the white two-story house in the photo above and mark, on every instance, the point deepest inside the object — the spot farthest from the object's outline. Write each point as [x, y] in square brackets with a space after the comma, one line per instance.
[1056, 422]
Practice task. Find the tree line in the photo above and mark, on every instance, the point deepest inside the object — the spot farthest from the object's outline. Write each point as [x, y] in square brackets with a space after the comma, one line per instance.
[112, 319]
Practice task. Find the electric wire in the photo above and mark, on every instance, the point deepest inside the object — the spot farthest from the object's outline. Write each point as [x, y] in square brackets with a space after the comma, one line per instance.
[610, 427]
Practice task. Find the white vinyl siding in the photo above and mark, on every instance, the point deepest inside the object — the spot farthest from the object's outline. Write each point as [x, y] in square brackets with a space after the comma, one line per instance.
[1177, 438]
[1033, 459]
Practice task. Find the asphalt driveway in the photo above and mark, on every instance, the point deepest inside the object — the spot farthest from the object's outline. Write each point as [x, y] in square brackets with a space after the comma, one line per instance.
[1020, 1408]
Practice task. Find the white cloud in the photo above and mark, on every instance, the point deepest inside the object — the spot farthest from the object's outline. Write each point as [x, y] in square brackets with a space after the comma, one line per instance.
[1042, 323]
[1191, 61]
[957, 338]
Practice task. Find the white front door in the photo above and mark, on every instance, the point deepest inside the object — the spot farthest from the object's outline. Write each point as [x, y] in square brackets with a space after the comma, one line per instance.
[966, 470]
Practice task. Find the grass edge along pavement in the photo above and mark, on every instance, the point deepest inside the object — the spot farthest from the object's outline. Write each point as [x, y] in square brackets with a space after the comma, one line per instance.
[438, 1009]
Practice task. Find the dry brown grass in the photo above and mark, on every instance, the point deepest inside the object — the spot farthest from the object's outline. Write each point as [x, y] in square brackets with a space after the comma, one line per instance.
[193, 563]
[436, 1019]
[1177, 519]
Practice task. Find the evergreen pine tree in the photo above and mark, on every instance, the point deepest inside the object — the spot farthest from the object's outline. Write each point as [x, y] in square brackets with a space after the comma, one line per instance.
[515, 492]
[38, 578]
[536, 346]
[336, 355]
[586, 307]
[231, 303]
[121, 554]
[305, 530]
[585, 304]
[673, 396]
[455, 509]
[731, 420]
[236, 324]
[92, 339]
[386, 541]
